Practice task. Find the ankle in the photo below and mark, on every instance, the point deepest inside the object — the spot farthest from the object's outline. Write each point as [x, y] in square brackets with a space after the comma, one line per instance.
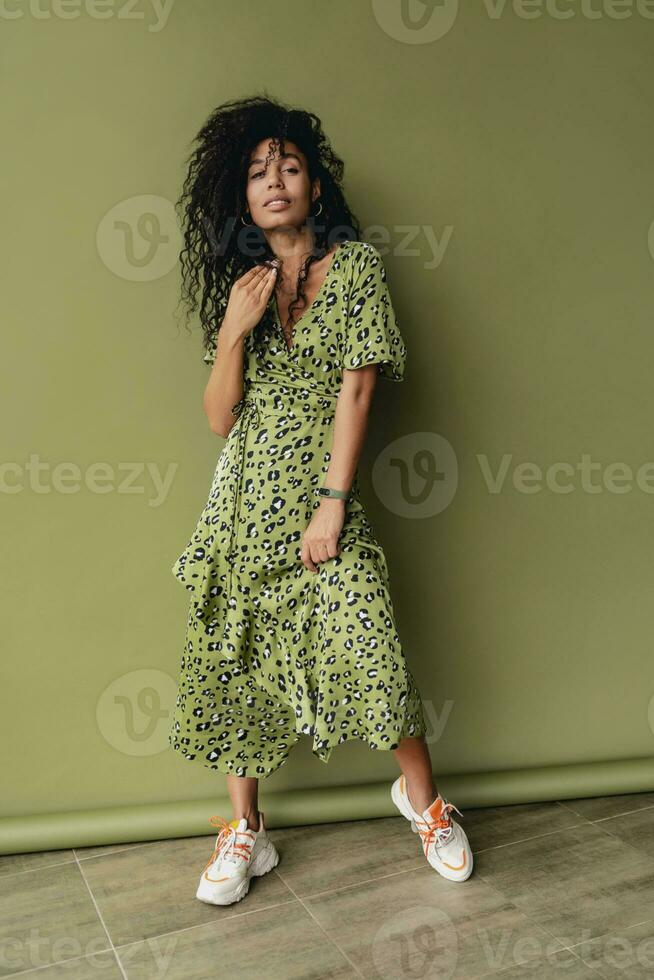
[252, 816]
[421, 797]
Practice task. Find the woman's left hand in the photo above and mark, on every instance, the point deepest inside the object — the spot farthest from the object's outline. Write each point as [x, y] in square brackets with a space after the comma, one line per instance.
[320, 540]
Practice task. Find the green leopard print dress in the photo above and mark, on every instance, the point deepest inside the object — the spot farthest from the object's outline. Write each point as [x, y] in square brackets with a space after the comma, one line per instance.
[272, 650]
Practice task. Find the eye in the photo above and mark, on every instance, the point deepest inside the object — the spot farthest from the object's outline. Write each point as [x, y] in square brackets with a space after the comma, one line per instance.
[259, 172]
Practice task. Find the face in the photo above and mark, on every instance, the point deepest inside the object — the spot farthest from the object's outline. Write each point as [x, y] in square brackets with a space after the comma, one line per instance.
[286, 179]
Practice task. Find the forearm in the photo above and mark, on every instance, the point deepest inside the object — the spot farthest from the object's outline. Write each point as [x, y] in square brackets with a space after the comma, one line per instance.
[349, 432]
[225, 386]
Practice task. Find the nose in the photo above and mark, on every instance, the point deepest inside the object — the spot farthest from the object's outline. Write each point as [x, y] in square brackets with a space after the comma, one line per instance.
[274, 174]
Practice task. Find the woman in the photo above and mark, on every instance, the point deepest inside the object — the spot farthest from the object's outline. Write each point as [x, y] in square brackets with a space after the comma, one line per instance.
[291, 628]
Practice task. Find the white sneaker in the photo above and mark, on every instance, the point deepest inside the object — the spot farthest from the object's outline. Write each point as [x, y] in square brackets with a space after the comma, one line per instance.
[444, 841]
[239, 854]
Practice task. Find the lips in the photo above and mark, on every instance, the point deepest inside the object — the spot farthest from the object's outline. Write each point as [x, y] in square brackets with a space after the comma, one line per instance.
[276, 200]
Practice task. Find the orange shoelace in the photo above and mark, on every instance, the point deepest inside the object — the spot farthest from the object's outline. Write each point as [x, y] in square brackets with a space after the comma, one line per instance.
[437, 831]
[227, 840]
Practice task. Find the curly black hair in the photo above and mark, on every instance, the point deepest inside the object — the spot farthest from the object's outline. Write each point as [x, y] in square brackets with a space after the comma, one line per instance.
[218, 247]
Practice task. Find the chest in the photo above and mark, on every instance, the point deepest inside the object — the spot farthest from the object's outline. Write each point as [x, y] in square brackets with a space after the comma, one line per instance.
[311, 289]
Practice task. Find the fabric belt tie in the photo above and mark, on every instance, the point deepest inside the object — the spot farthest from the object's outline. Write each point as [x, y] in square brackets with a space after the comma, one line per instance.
[258, 400]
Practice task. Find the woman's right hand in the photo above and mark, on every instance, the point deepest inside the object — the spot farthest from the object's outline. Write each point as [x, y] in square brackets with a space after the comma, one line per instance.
[248, 298]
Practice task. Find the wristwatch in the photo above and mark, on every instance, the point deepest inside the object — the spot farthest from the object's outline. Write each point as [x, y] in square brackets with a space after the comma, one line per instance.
[328, 492]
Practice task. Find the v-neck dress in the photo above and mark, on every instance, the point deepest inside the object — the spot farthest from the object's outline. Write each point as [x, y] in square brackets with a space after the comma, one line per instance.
[273, 651]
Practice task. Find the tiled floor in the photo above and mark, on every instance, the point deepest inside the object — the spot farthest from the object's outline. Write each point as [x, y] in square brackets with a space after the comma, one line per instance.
[561, 889]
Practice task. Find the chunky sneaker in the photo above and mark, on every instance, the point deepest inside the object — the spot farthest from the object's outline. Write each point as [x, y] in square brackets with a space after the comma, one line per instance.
[444, 841]
[239, 854]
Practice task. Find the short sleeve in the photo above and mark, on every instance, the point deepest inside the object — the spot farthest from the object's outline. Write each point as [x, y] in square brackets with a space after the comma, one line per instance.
[372, 334]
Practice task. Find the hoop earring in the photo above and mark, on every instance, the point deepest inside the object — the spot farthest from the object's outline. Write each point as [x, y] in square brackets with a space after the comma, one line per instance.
[247, 224]
[318, 212]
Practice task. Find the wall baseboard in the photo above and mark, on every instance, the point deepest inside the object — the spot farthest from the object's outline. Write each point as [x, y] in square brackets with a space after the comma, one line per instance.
[290, 808]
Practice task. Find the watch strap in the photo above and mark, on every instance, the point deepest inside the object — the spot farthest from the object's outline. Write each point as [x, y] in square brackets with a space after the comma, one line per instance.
[329, 492]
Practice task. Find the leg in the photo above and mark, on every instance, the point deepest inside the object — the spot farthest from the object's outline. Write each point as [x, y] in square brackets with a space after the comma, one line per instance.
[244, 794]
[413, 759]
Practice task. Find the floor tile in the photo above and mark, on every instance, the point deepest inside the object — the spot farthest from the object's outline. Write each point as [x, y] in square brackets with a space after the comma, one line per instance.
[352, 899]
[150, 891]
[635, 828]
[331, 855]
[577, 883]
[11, 864]
[418, 924]
[82, 853]
[597, 807]
[47, 916]
[560, 965]
[627, 954]
[282, 943]
[495, 825]
[101, 965]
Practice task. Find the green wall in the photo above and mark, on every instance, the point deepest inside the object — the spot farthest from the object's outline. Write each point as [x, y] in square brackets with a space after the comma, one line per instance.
[504, 169]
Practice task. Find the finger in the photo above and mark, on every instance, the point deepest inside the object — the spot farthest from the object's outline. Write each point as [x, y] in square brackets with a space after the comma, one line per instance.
[253, 274]
[306, 558]
[267, 283]
[331, 548]
[263, 272]
[315, 554]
